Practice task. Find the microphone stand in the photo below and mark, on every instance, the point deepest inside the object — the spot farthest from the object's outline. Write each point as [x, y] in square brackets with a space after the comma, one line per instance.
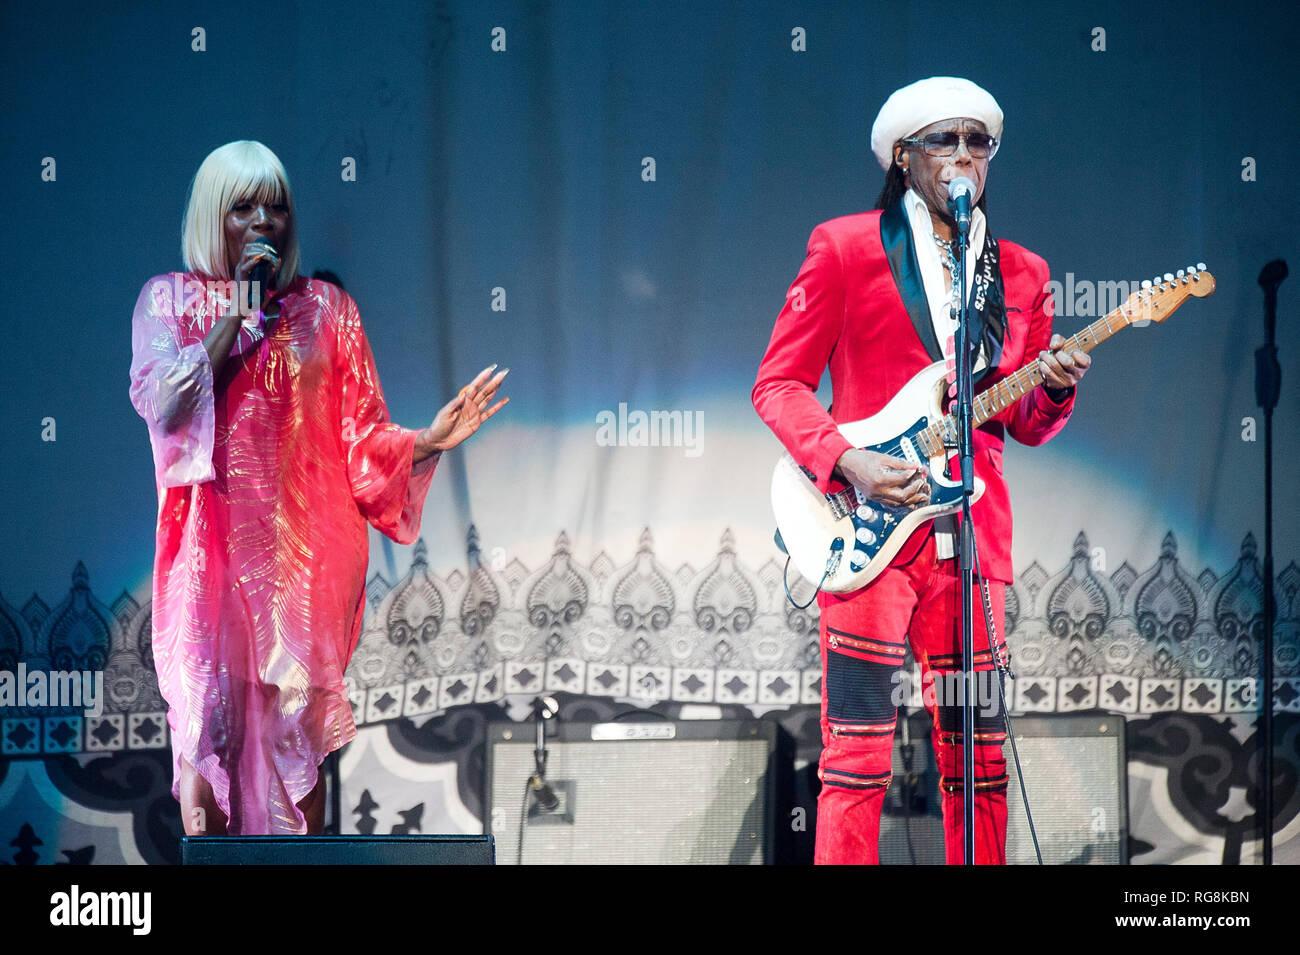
[1268, 383]
[965, 413]
[543, 709]
[536, 788]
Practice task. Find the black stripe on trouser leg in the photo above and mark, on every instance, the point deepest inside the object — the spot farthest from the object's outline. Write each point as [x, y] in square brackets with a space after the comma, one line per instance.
[988, 705]
[983, 784]
[847, 780]
[860, 691]
[990, 731]
[952, 661]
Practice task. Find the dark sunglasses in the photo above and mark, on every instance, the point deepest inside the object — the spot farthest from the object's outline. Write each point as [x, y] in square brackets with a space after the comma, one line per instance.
[979, 145]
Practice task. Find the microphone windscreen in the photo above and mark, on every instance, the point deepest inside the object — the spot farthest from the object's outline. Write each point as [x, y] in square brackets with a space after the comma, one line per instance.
[959, 186]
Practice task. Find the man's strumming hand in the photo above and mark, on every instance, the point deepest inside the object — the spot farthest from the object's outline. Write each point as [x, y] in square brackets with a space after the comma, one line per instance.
[885, 479]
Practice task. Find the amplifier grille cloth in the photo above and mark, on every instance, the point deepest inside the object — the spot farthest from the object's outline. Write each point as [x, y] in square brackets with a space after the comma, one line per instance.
[636, 801]
[1073, 791]
[1074, 794]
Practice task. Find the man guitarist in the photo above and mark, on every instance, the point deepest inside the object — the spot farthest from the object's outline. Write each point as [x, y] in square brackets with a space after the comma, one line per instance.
[875, 302]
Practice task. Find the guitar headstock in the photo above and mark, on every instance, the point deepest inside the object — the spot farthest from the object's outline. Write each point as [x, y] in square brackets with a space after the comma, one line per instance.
[1160, 297]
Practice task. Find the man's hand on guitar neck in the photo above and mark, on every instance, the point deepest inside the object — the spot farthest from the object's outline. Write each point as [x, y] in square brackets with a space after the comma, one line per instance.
[884, 479]
[1062, 371]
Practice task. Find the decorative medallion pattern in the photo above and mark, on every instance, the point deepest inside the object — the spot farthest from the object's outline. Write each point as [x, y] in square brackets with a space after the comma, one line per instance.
[1161, 640]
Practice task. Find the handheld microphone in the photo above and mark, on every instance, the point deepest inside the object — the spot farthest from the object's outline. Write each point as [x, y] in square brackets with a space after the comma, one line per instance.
[961, 193]
[261, 275]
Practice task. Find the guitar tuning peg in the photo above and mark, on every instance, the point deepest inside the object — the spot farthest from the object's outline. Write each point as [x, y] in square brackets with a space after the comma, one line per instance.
[1169, 277]
[1181, 273]
[1200, 266]
[1146, 283]
[1192, 270]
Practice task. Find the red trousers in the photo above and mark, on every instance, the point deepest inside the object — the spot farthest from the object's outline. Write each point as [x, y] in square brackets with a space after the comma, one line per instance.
[862, 642]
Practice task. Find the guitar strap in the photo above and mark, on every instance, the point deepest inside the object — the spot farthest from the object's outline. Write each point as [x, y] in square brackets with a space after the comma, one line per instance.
[987, 296]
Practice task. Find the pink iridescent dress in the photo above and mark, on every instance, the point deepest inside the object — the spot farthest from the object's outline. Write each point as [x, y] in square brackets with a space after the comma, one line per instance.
[265, 484]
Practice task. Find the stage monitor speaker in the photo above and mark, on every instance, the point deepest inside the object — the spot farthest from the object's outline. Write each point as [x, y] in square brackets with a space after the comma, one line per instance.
[337, 850]
[653, 791]
[1075, 776]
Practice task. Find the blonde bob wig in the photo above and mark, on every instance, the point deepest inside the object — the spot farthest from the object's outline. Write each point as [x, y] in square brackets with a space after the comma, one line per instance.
[231, 173]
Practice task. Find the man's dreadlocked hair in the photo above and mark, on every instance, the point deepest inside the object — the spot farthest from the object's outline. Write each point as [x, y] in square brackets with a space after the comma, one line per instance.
[896, 185]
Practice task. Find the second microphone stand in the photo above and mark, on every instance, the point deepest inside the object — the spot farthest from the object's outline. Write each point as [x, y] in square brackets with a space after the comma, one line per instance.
[1268, 385]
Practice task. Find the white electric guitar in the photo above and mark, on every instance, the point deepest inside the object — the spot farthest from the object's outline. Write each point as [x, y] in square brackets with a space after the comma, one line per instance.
[844, 540]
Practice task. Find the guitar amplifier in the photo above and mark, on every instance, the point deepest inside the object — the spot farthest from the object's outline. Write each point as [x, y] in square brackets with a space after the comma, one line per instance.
[337, 850]
[1076, 778]
[690, 791]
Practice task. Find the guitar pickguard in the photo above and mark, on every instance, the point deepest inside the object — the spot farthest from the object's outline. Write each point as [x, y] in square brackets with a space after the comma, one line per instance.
[873, 522]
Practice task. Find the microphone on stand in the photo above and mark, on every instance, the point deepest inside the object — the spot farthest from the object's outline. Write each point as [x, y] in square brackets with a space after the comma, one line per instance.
[547, 801]
[961, 194]
[544, 707]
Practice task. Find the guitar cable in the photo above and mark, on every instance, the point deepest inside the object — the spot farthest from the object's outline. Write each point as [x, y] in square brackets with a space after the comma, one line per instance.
[832, 564]
[523, 822]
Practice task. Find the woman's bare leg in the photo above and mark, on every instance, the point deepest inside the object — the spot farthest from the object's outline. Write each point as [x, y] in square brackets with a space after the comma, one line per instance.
[203, 817]
[200, 813]
[313, 807]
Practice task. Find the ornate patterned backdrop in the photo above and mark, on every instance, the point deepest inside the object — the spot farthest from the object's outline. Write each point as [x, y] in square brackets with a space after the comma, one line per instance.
[440, 656]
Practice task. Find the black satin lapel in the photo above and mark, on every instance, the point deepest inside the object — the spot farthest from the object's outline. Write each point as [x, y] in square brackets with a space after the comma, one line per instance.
[896, 236]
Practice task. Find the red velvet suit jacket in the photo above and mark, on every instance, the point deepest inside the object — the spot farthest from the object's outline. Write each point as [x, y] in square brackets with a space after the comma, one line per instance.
[854, 320]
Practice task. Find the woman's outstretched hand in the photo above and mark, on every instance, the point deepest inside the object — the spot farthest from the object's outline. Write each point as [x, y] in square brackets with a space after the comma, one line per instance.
[462, 416]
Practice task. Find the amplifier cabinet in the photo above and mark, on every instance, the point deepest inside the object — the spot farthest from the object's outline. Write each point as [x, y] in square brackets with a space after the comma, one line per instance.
[635, 792]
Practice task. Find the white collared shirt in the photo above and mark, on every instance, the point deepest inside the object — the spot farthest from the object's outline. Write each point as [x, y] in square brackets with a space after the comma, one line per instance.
[939, 295]
[928, 257]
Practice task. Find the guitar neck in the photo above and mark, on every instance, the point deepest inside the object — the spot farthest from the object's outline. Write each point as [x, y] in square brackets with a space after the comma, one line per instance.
[1014, 387]
[1156, 301]
[941, 435]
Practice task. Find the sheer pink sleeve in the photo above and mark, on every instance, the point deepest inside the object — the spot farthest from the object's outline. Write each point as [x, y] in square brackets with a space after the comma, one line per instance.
[171, 388]
[388, 491]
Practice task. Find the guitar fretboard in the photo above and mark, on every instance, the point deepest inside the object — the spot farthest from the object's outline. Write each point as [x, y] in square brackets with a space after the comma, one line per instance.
[943, 433]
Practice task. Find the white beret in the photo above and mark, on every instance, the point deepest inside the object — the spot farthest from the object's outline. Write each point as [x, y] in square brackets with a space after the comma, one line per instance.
[927, 101]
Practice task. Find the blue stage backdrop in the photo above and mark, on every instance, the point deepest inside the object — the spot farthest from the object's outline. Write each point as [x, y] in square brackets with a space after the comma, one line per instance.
[612, 200]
